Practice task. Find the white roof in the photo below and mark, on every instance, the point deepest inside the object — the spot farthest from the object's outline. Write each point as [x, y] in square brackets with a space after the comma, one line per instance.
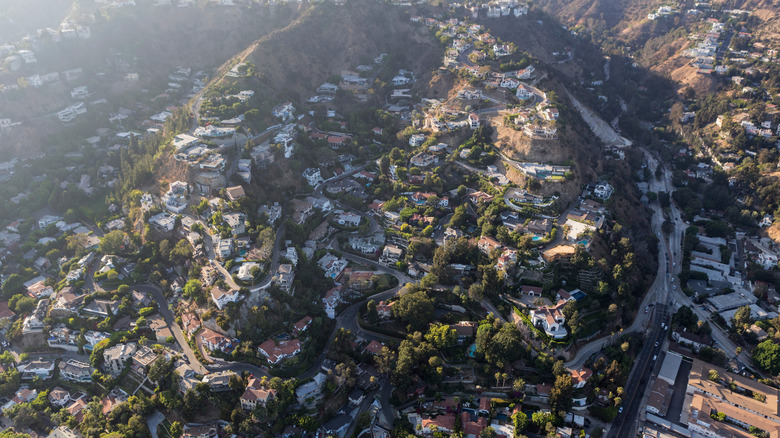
[670, 367]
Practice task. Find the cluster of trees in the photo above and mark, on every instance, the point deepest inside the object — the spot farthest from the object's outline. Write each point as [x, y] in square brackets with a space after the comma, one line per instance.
[500, 344]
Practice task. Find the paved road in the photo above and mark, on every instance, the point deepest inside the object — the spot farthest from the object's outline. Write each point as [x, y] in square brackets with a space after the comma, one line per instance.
[169, 318]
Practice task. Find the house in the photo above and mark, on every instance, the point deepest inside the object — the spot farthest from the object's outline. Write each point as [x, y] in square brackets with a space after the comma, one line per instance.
[374, 348]
[190, 323]
[219, 381]
[464, 331]
[6, 314]
[284, 277]
[603, 190]
[332, 265]
[337, 425]
[245, 272]
[101, 308]
[76, 371]
[235, 193]
[39, 290]
[63, 337]
[303, 324]
[310, 392]
[23, 395]
[416, 140]
[523, 92]
[215, 341]
[580, 377]
[76, 409]
[40, 368]
[487, 244]
[426, 425]
[348, 219]
[391, 254]
[116, 356]
[164, 221]
[694, 341]
[59, 397]
[550, 319]
[356, 397]
[385, 309]
[275, 351]
[479, 198]
[331, 300]
[284, 111]
[34, 322]
[224, 248]
[473, 121]
[236, 223]
[254, 394]
[472, 425]
[423, 159]
[312, 175]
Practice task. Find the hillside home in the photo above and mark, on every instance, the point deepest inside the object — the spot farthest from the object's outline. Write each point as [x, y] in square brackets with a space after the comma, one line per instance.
[222, 297]
[76, 371]
[40, 368]
[331, 300]
[275, 351]
[215, 341]
[487, 244]
[116, 356]
[255, 394]
[550, 319]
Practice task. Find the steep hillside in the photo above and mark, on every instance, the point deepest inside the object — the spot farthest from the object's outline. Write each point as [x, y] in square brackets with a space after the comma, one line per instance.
[598, 15]
[327, 39]
[19, 18]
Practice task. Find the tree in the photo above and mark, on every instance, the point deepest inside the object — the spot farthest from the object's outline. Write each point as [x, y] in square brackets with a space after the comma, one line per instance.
[742, 319]
[476, 292]
[414, 309]
[559, 368]
[714, 376]
[371, 312]
[518, 385]
[112, 242]
[520, 421]
[193, 290]
[767, 356]
[385, 360]
[488, 432]
[440, 335]
[561, 392]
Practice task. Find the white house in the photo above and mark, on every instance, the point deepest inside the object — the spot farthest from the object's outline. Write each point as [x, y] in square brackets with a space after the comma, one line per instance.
[222, 297]
[245, 271]
[551, 320]
[348, 219]
[523, 92]
[312, 176]
[116, 356]
[284, 111]
[603, 190]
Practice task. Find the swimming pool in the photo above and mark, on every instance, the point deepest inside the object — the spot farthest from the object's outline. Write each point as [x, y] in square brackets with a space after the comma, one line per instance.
[472, 350]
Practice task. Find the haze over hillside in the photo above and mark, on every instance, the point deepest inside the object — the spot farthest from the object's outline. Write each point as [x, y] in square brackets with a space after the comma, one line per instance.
[362, 218]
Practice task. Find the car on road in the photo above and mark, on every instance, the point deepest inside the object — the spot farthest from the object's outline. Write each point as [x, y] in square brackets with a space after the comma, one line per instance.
[620, 410]
[656, 343]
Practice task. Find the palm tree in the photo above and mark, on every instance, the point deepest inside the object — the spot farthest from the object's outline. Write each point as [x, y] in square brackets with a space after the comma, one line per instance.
[519, 385]
[497, 376]
[504, 376]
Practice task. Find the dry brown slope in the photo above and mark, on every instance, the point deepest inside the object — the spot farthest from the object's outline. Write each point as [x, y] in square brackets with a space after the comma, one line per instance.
[327, 39]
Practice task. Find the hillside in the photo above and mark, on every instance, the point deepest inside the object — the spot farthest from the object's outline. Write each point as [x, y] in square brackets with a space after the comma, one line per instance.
[327, 39]
[150, 41]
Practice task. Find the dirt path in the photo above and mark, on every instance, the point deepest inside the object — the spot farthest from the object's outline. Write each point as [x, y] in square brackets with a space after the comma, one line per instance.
[599, 127]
